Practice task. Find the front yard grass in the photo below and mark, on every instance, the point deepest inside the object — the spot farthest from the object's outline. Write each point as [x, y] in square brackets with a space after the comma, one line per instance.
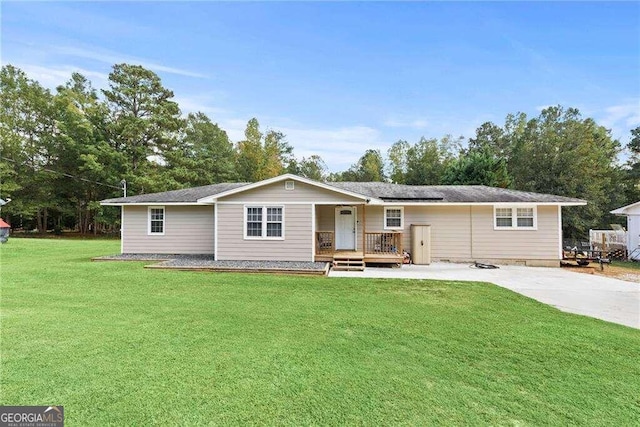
[117, 344]
[632, 265]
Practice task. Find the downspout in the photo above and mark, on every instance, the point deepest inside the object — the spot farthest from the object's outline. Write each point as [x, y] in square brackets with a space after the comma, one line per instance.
[560, 236]
[215, 231]
[122, 229]
[313, 232]
[471, 228]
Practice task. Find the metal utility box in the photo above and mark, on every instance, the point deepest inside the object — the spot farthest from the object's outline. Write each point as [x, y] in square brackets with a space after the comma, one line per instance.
[421, 243]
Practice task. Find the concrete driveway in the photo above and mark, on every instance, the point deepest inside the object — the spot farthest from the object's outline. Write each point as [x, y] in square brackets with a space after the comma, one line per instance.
[601, 297]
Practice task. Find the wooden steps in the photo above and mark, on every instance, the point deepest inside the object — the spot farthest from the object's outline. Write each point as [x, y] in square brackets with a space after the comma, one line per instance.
[348, 261]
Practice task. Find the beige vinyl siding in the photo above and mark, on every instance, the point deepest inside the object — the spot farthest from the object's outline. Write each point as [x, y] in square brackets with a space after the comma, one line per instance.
[462, 233]
[325, 218]
[450, 228]
[187, 230]
[296, 246]
[540, 244]
[275, 193]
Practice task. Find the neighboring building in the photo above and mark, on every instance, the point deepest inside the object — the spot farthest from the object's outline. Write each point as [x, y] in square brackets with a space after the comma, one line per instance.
[290, 218]
[5, 229]
[632, 212]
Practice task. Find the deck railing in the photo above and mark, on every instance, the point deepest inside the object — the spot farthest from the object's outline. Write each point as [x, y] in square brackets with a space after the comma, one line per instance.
[388, 243]
[379, 243]
[325, 243]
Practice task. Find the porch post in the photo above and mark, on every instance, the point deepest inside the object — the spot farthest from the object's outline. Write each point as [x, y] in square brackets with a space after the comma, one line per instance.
[364, 228]
[313, 232]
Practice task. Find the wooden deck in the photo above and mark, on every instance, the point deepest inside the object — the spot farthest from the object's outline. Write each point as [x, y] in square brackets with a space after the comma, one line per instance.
[367, 258]
[380, 248]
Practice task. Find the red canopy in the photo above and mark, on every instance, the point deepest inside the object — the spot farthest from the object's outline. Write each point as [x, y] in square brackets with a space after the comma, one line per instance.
[4, 224]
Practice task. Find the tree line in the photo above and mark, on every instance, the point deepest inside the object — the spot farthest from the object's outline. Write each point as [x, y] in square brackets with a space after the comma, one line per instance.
[62, 151]
[557, 152]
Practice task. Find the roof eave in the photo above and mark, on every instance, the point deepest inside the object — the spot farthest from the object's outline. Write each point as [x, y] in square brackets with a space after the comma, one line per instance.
[624, 209]
[156, 203]
[409, 203]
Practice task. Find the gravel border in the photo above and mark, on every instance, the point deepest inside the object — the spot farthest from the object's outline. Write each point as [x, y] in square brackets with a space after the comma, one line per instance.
[151, 257]
[206, 262]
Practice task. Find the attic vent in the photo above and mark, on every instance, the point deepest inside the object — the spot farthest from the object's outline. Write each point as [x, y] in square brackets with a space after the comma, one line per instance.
[289, 185]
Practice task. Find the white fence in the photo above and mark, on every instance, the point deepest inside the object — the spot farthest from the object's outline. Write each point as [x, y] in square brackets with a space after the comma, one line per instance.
[613, 239]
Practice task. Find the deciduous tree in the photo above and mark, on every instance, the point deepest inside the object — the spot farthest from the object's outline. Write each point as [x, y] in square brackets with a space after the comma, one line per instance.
[203, 154]
[261, 156]
[398, 159]
[370, 167]
[428, 159]
[27, 129]
[477, 168]
[312, 167]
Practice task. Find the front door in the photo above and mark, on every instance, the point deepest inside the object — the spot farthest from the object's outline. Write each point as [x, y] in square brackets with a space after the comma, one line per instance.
[346, 228]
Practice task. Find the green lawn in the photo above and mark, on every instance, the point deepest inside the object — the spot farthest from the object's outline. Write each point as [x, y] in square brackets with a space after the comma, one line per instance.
[627, 264]
[117, 344]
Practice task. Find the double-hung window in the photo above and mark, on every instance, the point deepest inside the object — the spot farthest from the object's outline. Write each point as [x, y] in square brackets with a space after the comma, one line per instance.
[274, 221]
[264, 222]
[254, 222]
[504, 217]
[524, 218]
[514, 217]
[393, 218]
[156, 220]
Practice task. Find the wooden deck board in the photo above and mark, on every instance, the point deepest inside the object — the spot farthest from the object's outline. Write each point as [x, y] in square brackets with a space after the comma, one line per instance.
[368, 258]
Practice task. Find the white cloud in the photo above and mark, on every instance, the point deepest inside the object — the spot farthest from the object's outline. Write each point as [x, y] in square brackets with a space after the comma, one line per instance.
[202, 103]
[55, 75]
[620, 118]
[629, 114]
[339, 148]
[413, 124]
[111, 58]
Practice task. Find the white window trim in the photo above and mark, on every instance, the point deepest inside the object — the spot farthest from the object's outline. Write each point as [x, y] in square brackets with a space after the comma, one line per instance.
[514, 217]
[401, 218]
[289, 185]
[264, 222]
[164, 221]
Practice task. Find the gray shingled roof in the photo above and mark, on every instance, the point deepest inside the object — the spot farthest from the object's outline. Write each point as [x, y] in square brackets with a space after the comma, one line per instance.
[380, 190]
[185, 195]
[448, 193]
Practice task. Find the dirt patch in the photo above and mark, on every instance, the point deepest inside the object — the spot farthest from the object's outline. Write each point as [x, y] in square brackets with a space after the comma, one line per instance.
[617, 272]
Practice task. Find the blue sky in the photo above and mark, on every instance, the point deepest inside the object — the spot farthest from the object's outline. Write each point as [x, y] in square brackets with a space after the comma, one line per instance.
[339, 78]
